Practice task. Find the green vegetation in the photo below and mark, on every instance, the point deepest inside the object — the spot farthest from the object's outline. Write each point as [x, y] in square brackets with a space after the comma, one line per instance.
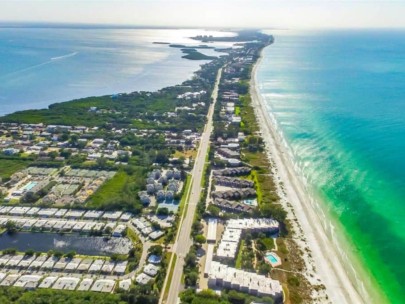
[238, 262]
[11, 227]
[190, 269]
[14, 295]
[134, 255]
[195, 55]
[118, 192]
[185, 191]
[137, 109]
[265, 244]
[170, 276]
[8, 166]
[227, 297]
[185, 47]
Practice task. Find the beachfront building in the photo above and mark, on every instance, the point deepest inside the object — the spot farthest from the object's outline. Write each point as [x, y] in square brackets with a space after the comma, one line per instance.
[229, 244]
[223, 276]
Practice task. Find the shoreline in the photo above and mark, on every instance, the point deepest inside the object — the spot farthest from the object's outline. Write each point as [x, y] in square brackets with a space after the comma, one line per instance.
[341, 285]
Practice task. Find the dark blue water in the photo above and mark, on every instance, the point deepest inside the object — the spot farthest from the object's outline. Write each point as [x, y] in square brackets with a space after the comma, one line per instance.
[339, 99]
[86, 245]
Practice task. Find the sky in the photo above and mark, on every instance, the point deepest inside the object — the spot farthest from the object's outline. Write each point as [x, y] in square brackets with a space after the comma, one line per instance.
[293, 14]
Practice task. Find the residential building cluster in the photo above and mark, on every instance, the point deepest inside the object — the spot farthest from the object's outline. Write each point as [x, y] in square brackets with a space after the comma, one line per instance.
[65, 220]
[229, 244]
[47, 141]
[162, 188]
[150, 270]
[221, 275]
[59, 186]
[146, 229]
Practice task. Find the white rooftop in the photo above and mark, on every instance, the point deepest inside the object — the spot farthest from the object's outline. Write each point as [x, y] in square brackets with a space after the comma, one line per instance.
[68, 283]
[47, 282]
[85, 284]
[103, 285]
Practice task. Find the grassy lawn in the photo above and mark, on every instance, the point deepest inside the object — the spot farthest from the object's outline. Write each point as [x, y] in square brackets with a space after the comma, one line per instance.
[171, 271]
[186, 154]
[9, 166]
[237, 110]
[204, 179]
[253, 176]
[109, 190]
[265, 186]
[133, 237]
[187, 185]
[248, 115]
[238, 262]
[268, 243]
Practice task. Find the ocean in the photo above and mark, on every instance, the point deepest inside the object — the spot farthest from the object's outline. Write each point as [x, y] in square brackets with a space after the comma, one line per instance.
[40, 66]
[338, 98]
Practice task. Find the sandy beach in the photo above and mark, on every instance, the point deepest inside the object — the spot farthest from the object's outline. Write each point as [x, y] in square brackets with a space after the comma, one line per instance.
[324, 263]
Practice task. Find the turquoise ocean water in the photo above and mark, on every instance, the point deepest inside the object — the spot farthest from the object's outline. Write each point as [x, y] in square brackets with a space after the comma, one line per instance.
[339, 99]
[39, 66]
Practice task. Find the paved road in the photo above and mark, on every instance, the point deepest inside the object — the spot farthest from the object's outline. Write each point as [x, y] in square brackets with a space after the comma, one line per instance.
[184, 241]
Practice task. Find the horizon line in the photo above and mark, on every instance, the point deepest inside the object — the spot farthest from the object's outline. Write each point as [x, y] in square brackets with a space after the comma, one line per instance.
[81, 25]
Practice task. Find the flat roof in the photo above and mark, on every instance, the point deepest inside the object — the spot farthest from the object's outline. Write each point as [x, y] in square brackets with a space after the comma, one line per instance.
[9, 280]
[212, 229]
[27, 279]
[85, 284]
[68, 283]
[103, 285]
[208, 258]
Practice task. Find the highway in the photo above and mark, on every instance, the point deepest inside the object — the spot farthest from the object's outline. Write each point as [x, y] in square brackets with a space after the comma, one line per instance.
[183, 241]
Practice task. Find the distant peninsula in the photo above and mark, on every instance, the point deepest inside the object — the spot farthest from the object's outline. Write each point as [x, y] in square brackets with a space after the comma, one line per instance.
[193, 54]
[202, 46]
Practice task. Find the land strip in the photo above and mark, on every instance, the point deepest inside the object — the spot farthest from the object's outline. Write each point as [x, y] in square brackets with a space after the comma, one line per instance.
[184, 241]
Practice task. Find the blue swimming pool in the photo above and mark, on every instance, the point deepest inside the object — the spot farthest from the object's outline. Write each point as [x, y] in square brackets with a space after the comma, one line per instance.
[250, 202]
[29, 186]
[271, 258]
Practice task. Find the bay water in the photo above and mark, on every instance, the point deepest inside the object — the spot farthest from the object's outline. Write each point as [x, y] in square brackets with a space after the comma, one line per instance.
[43, 65]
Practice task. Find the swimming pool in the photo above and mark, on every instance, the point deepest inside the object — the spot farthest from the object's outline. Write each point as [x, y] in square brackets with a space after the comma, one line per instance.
[29, 186]
[250, 202]
[273, 259]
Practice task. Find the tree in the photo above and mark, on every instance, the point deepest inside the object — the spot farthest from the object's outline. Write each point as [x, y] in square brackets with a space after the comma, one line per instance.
[29, 252]
[57, 254]
[200, 239]
[264, 268]
[74, 139]
[156, 250]
[214, 210]
[53, 154]
[163, 211]
[65, 153]
[161, 158]
[64, 136]
[70, 254]
[191, 278]
[190, 260]
[101, 162]
[236, 297]
[108, 230]
[11, 227]
[11, 251]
